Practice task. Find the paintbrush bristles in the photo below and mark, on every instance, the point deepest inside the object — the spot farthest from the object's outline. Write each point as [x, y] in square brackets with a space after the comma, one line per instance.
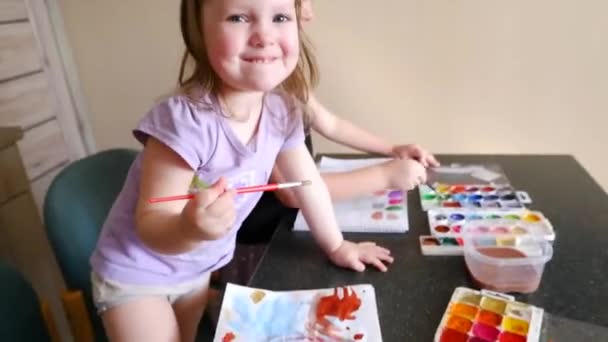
[306, 182]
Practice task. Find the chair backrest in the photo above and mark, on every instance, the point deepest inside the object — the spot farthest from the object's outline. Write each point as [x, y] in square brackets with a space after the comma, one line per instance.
[75, 207]
[20, 315]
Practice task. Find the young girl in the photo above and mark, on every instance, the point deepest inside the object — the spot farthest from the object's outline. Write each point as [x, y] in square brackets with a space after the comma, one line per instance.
[236, 116]
[403, 172]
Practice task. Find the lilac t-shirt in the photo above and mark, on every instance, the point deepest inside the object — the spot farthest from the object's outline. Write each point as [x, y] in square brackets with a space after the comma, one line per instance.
[202, 136]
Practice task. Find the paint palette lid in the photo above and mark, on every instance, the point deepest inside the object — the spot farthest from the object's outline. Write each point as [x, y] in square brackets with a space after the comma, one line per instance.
[468, 174]
[473, 315]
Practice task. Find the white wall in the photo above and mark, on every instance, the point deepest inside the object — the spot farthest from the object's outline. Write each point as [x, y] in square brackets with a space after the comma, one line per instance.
[458, 76]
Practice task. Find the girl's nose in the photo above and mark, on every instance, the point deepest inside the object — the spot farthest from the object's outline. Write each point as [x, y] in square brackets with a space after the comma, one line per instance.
[262, 37]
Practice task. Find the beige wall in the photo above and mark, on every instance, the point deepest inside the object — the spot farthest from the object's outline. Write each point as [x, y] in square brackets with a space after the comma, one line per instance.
[477, 76]
[126, 54]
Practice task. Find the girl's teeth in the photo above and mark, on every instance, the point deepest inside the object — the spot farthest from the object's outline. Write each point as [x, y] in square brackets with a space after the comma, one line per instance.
[259, 60]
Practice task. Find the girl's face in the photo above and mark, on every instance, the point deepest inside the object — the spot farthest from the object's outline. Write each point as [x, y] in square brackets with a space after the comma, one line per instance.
[251, 44]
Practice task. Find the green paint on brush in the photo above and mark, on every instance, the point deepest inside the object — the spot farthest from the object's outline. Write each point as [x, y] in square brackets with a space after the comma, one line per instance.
[197, 184]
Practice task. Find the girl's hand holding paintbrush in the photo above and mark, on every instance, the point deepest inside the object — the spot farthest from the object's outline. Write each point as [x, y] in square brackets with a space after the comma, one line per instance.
[210, 214]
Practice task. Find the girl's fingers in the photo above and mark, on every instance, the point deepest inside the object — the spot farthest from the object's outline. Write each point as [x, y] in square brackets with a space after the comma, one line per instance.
[372, 260]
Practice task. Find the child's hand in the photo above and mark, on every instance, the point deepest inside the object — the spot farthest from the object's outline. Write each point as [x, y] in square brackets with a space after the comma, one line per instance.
[356, 255]
[404, 174]
[211, 213]
[415, 152]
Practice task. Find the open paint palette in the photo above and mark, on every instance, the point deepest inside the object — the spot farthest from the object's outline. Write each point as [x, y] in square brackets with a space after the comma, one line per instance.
[472, 196]
[500, 228]
[451, 222]
[482, 316]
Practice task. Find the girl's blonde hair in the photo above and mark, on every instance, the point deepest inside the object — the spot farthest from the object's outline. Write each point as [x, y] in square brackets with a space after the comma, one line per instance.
[196, 72]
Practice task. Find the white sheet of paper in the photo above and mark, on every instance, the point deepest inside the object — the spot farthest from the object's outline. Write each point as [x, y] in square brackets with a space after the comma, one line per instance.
[376, 213]
[252, 315]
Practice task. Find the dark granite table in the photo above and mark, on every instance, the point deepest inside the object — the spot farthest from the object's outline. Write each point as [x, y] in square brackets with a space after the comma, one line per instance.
[414, 293]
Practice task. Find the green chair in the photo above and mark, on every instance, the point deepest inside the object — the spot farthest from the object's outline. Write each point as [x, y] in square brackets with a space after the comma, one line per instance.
[21, 317]
[75, 208]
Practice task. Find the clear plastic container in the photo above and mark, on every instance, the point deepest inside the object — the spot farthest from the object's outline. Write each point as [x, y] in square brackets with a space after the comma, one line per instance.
[506, 263]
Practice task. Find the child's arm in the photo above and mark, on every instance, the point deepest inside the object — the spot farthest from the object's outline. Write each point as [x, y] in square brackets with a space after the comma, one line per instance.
[178, 226]
[317, 208]
[402, 174]
[346, 133]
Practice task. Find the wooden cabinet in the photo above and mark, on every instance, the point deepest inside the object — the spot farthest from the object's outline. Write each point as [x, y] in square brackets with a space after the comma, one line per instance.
[23, 241]
[40, 133]
[34, 94]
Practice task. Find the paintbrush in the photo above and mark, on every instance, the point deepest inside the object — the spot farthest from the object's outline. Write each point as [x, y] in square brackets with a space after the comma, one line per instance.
[244, 190]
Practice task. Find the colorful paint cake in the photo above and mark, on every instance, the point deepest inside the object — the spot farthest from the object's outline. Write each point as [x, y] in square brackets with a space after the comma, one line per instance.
[431, 245]
[446, 223]
[388, 205]
[483, 316]
[471, 196]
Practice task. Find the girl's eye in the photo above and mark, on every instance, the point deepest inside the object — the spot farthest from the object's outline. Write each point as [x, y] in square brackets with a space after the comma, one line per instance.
[237, 18]
[281, 18]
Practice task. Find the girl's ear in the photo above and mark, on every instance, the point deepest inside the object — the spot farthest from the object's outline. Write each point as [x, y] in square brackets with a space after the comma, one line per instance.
[307, 13]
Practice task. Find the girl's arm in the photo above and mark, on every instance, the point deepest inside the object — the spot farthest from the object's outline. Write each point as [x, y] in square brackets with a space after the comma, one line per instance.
[173, 227]
[341, 185]
[344, 132]
[297, 164]
[317, 208]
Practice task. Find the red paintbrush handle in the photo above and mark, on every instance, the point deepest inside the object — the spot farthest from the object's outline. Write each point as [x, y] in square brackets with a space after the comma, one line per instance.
[266, 187]
[170, 198]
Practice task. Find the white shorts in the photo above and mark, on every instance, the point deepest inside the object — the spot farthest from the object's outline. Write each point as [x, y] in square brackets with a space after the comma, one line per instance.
[108, 293]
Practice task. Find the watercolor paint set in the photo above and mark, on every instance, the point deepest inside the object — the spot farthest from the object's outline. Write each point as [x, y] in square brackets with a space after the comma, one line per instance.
[451, 223]
[482, 316]
[455, 246]
[474, 196]
[496, 228]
